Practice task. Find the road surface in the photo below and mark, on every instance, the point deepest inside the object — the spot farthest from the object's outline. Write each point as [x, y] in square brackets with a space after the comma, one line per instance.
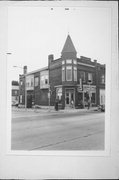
[58, 131]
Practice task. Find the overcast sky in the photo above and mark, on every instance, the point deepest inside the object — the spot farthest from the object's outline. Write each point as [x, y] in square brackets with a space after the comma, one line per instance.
[36, 32]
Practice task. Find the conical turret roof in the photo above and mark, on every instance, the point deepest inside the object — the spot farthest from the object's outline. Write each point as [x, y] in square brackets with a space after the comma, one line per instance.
[68, 46]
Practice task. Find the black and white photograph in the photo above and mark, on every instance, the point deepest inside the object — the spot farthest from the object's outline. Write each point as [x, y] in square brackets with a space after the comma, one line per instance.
[57, 62]
[59, 79]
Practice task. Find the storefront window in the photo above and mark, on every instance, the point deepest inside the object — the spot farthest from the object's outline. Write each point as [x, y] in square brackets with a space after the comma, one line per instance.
[80, 97]
[93, 98]
[20, 98]
[15, 92]
[59, 94]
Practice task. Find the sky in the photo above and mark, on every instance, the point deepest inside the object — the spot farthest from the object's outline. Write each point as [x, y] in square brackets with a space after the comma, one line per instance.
[36, 32]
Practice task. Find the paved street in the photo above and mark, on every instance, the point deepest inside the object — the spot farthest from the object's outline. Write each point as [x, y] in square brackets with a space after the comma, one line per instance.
[74, 130]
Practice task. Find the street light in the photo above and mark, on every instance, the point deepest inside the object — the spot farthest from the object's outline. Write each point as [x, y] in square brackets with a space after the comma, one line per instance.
[25, 94]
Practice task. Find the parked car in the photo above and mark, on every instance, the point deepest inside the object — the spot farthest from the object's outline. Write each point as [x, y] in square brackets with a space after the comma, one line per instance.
[15, 103]
[102, 107]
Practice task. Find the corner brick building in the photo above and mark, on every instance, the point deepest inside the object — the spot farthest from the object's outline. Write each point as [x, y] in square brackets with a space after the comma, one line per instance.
[67, 78]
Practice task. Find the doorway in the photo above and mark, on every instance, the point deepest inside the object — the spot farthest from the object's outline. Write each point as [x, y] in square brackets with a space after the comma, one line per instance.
[69, 96]
[29, 101]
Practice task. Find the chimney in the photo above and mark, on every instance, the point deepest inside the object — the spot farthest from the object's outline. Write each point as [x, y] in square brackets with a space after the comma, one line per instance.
[25, 70]
[50, 58]
[95, 61]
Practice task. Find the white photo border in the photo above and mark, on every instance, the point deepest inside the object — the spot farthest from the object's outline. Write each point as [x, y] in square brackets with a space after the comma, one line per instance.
[107, 156]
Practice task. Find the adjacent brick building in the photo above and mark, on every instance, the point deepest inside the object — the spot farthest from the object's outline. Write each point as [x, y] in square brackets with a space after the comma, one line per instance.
[67, 78]
[15, 92]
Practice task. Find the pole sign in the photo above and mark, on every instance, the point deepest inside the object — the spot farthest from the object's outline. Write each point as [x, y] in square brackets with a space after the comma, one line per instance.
[80, 87]
[48, 94]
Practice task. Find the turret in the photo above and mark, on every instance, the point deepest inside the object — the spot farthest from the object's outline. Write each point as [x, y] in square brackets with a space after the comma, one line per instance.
[68, 50]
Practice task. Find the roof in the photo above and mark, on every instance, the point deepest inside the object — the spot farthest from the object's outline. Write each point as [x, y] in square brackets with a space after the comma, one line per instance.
[68, 46]
[38, 70]
[35, 71]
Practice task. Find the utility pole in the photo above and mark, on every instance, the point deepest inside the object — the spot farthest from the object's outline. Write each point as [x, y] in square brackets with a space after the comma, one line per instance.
[89, 82]
[25, 92]
[49, 96]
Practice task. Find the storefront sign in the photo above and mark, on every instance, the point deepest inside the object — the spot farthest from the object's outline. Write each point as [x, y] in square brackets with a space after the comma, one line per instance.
[59, 90]
[79, 88]
[90, 88]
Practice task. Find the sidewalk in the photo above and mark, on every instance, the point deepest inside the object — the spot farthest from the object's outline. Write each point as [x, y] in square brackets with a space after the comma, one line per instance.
[49, 110]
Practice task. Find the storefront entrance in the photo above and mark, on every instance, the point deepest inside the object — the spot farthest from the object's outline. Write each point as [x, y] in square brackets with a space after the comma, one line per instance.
[88, 93]
[69, 98]
[30, 99]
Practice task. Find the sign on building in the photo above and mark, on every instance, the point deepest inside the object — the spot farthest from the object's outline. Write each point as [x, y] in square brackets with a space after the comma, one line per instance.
[59, 92]
[79, 88]
[87, 88]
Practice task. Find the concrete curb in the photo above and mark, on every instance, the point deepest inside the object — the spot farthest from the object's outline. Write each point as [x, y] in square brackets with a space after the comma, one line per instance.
[49, 111]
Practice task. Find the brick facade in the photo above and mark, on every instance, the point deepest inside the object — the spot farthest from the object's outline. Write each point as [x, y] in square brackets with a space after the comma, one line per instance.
[15, 92]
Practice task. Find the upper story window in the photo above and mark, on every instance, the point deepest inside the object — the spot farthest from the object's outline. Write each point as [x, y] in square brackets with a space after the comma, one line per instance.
[36, 81]
[44, 79]
[69, 73]
[21, 83]
[75, 73]
[69, 61]
[63, 62]
[102, 78]
[75, 61]
[82, 76]
[30, 82]
[63, 73]
[90, 77]
[15, 92]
